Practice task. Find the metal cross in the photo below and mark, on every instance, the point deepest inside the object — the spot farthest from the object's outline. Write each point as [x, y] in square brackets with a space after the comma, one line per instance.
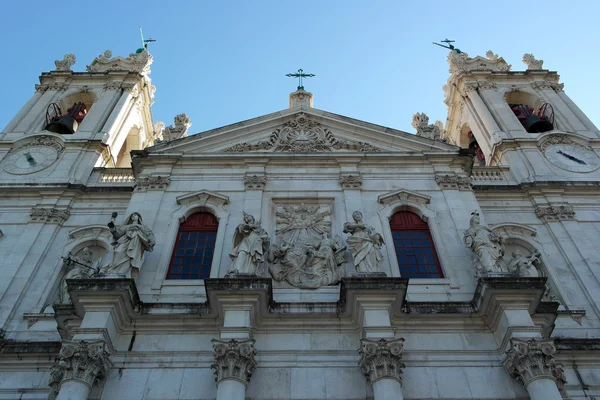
[300, 74]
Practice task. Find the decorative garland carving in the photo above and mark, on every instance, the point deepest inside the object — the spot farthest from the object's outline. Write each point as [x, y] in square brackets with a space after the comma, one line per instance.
[532, 359]
[453, 182]
[559, 139]
[49, 215]
[351, 181]
[555, 213]
[42, 140]
[381, 359]
[151, 183]
[255, 181]
[234, 359]
[80, 360]
[303, 135]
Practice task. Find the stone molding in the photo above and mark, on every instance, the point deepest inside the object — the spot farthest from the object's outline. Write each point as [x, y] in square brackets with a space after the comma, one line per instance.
[404, 196]
[234, 359]
[255, 181]
[83, 361]
[381, 359]
[555, 213]
[151, 183]
[203, 197]
[453, 182]
[528, 360]
[351, 181]
[48, 215]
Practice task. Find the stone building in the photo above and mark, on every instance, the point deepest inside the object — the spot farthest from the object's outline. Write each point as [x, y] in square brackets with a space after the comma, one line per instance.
[301, 254]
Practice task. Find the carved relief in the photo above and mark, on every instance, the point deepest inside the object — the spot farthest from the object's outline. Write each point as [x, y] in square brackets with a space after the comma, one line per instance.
[234, 359]
[135, 62]
[453, 182]
[381, 359]
[303, 135]
[531, 62]
[49, 215]
[555, 213]
[559, 139]
[306, 257]
[255, 181]
[42, 140]
[151, 183]
[461, 63]
[351, 181]
[534, 359]
[66, 63]
[80, 360]
[524, 266]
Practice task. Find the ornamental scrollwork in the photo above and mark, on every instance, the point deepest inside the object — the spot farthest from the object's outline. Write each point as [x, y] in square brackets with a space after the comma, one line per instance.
[49, 215]
[559, 139]
[255, 181]
[453, 182]
[555, 213]
[351, 181]
[42, 140]
[234, 359]
[151, 183]
[381, 359]
[532, 359]
[66, 63]
[80, 360]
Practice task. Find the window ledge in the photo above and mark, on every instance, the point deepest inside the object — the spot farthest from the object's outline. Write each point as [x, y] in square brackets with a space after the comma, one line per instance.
[425, 281]
[183, 282]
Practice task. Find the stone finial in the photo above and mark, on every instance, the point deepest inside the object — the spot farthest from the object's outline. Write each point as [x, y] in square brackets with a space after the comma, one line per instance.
[66, 63]
[533, 359]
[421, 123]
[179, 130]
[301, 98]
[80, 360]
[531, 62]
[159, 129]
[234, 359]
[381, 359]
[490, 55]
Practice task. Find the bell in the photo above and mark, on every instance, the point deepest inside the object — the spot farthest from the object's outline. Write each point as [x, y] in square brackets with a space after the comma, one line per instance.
[535, 124]
[65, 125]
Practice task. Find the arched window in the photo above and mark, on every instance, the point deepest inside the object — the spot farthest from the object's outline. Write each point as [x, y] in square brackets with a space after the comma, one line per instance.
[194, 248]
[414, 246]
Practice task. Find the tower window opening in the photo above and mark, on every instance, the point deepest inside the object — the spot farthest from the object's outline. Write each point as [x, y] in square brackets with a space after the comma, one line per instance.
[534, 121]
[65, 123]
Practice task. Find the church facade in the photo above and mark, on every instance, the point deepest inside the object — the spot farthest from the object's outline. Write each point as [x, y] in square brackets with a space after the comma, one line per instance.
[301, 254]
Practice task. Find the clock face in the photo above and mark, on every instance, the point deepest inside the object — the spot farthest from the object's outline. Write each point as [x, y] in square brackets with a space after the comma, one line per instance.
[30, 160]
[572, 158]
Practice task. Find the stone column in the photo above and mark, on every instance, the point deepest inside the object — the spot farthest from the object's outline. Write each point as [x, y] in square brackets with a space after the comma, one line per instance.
[233, 367]
[381, 362]
[532, 362]
[81, 364]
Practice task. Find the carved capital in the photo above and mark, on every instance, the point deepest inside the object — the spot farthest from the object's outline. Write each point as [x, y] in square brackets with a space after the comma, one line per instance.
[555, 213]
[453, 182]
[58, 86]
[80, 360]
[528, 360]
[234, 359]
[351, 181]
[468, 88]
[488, 85]
[255, 181]
[41, 88]
[381, 359]
[49, 215]
[151, 183]
[112, 85]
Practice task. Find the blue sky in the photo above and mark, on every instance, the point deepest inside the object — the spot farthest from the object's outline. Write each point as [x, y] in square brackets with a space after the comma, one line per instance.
[225, 61]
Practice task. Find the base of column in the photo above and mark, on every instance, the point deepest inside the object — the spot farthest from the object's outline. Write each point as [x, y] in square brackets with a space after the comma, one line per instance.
[543, 389]
[73, 390]
[387, 389]
[231, 389]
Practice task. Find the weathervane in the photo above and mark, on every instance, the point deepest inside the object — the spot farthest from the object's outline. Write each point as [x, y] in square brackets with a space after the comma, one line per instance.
[144, 42]
[300, 74]
[449, 46]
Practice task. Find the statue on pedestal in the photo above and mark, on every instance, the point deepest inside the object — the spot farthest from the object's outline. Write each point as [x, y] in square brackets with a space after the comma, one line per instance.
[132, 240]
[250, 242]
[486, 244]
[365, 245]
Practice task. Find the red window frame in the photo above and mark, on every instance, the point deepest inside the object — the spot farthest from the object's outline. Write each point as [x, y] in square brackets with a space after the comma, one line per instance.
[194, 247]
[415, 250]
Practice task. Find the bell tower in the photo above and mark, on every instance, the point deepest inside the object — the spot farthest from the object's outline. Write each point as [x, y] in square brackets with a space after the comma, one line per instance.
[95, 117]
[499, 112]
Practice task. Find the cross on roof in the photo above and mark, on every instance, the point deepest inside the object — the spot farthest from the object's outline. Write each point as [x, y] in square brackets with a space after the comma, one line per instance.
[300, 74]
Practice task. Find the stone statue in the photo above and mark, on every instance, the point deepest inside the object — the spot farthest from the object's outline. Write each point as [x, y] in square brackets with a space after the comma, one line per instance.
[522, 266]
[250, 242]
[486, 244]
[80, 267]
[365, 245]
[132, 240]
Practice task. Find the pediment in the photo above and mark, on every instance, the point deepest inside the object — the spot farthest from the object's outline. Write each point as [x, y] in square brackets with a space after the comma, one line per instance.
[203, 197]
[301, 130]
[403, 196]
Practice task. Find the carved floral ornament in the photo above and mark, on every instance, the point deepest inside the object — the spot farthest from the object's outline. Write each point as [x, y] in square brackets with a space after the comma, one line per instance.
[555, 213]
[461, 63]
[559, 139]
[255, 181]
[351, 181]
[49, 215]
[234, 359]
[381, 359]
[79, 360]
[58, 86]
[453, 182]
[135, 62]
[42, 140]
[151, 183]
[303, 135]
[532, 359]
